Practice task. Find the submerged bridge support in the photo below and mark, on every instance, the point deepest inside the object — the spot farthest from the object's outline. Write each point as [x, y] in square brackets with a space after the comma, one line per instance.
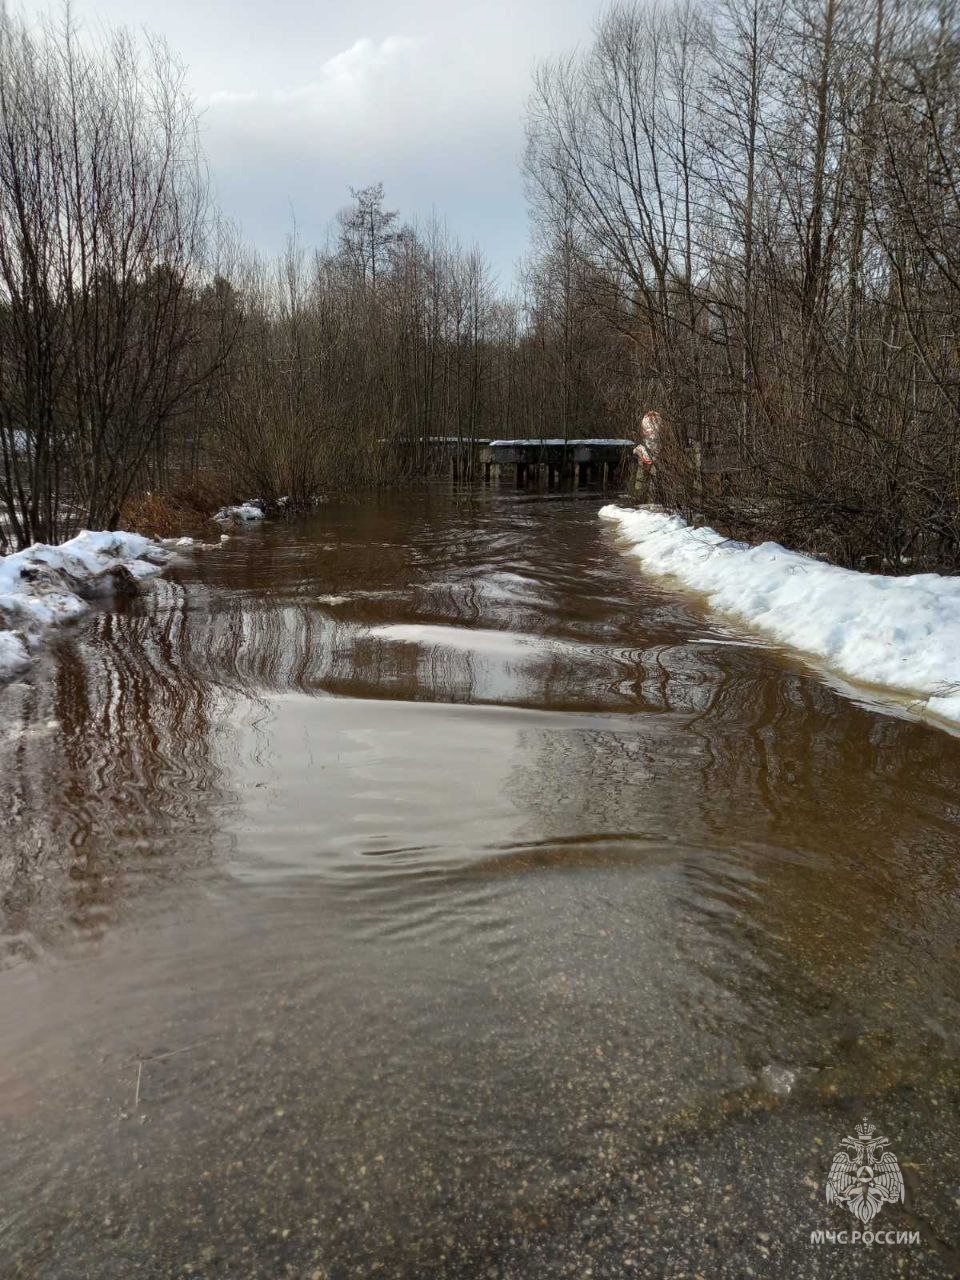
[528, 464]
[549, 464]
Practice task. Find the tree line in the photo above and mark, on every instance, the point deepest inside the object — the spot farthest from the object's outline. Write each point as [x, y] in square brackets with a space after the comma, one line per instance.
[348, 361]
[746, 216]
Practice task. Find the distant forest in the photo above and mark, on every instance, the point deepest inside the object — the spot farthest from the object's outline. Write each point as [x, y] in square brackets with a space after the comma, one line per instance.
[746, 216]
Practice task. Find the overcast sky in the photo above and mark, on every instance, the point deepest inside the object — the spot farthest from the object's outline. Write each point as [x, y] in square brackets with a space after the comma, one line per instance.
[302, 99]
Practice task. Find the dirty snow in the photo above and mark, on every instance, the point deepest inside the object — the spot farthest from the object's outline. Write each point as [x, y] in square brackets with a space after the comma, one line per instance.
[14, 655]
[243, 511]
[45, 587]
[901, 634]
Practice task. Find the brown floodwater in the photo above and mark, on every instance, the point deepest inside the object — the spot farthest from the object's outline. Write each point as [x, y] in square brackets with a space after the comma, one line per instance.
[418, 889]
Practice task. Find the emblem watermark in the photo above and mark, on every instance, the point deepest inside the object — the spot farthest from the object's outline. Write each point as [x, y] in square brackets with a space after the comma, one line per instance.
[862, 1179]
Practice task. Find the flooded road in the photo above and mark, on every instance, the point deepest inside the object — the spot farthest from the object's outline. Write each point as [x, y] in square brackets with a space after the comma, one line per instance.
[419, 890]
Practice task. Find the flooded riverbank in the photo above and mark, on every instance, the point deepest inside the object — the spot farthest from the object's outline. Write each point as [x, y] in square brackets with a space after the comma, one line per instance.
[417, 889]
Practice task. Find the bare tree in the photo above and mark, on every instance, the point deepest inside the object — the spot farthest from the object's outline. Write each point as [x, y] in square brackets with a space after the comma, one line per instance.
[770, 198]
[367, 232]
[103, 217]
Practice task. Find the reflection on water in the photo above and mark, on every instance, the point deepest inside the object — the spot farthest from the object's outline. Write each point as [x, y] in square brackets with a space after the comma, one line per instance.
[111, 775]
[416, 890]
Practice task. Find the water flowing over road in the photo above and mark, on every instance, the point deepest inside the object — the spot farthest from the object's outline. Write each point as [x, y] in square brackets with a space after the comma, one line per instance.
[417, 889]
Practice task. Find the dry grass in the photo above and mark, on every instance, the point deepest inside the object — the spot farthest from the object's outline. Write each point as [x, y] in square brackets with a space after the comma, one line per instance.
[166, 515]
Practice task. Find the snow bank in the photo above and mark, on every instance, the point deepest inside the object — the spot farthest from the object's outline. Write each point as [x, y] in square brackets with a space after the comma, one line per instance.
[252, 510]
[45, 587]
[902, 634]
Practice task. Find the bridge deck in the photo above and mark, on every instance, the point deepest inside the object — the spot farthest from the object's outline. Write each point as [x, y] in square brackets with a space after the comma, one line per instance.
[547, 450]
[549, 462]
[543, 462]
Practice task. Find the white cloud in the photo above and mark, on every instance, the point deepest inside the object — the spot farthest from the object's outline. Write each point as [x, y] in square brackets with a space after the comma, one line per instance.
[354, 67]
[354, 79]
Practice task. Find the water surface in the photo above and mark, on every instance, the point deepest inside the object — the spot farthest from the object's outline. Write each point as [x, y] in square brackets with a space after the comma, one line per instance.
[419, 890]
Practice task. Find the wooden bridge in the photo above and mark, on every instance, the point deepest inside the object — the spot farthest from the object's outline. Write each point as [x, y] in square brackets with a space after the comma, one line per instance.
[548, 464]
[529, 463]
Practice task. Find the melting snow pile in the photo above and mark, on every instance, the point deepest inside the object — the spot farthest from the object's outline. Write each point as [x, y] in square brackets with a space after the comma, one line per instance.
[899, 633]
[252, 510]
[45, 587]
